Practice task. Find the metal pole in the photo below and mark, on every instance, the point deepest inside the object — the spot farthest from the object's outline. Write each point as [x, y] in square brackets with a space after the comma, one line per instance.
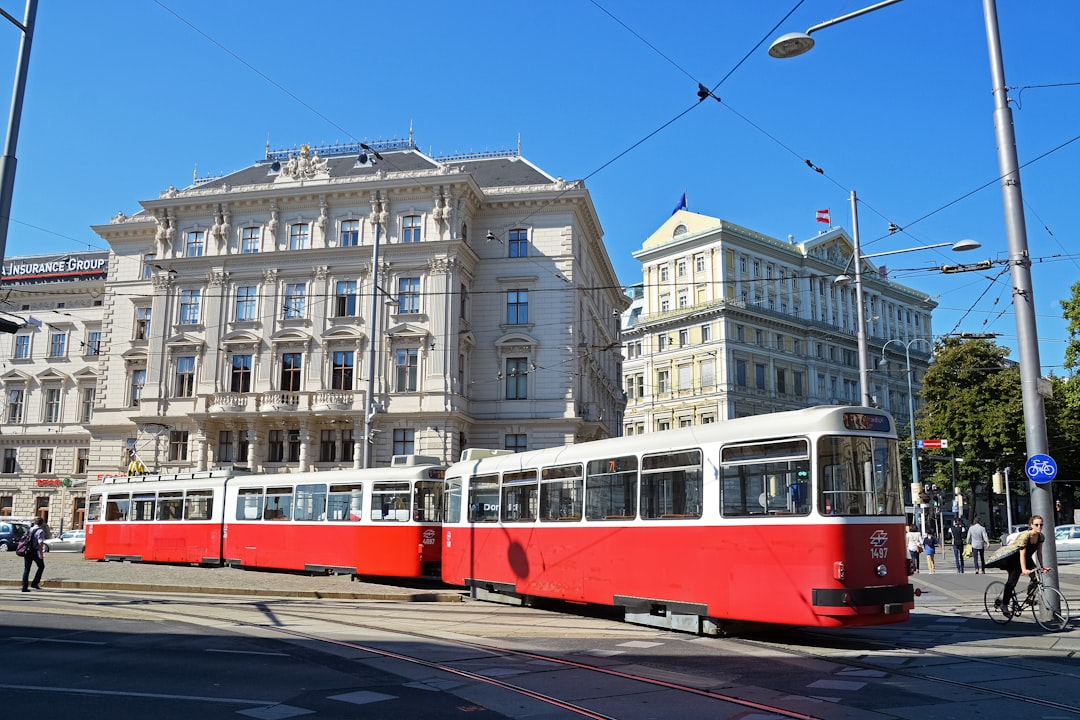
[916, 484]
[8, 161]
[1008, 504]
[369, 410]
[860, 327]
[1027, 337]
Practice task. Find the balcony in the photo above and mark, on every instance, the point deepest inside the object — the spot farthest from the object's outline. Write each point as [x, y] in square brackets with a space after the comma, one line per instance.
[279, 400]
[336, 400]
[227, 402]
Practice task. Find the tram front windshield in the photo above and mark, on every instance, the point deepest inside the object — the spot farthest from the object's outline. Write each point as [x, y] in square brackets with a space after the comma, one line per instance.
[859, 476]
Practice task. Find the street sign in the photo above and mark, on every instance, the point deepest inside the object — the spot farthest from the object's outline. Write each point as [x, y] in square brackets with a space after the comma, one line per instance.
[933, 444]
[1040, 468]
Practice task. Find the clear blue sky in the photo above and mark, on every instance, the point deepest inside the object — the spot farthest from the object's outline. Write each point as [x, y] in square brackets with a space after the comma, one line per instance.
[126, 98]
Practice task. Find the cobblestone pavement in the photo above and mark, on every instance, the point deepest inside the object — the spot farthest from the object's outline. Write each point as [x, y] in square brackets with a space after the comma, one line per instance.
[71, 570]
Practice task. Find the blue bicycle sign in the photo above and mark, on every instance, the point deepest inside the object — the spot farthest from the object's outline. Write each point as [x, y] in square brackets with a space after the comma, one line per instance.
[1040, 468]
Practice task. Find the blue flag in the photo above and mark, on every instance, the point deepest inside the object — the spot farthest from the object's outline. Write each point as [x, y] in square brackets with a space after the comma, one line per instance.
[681, 204]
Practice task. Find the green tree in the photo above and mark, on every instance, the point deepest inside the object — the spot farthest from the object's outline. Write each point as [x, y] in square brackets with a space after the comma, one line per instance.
[1071, 312]
[971, 396]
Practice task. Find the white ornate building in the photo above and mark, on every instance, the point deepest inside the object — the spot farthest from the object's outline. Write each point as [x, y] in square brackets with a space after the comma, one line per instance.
[239, 321]
[729, 322]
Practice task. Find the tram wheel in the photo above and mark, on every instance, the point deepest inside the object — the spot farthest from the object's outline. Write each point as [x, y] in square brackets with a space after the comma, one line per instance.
[993, 601]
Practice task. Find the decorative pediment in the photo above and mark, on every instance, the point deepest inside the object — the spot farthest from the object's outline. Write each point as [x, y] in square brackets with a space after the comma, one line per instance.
[403, 331]
[291, 337]
[15, 376]
[516, 342]
[184, 340]
[136, 354]
[52, 375]
[85, 375]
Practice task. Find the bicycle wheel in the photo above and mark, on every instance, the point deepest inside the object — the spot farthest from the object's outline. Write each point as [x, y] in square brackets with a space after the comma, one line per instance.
[993, 602]
[1050, 609]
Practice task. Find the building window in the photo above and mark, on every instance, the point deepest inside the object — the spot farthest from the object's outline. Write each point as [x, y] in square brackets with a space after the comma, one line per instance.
[298, 236]
[275, 446]
[341, 374]
[706, 333]
[51, 412]
[92, 346]
[45, 460]
[178, 445]
[410, 229]
[519, 243]
[294, 445]
[295, 301]
[517, 442]
[740, 373]
[11, 462]
[684, 338]
[348, 447]
[350, 233]
[240, 374]
[680, 269]
[781, 381]
[142, 323]
[759, 376]
[291, 365]
[517, 378]
[328, 446]
[22, 347]
[185, 376]
[195, 243]
[58, 344]
[663, 381]
[246, 300]
[86, 403]
[82, 460]
[408, 295]
[663, 273]
[15, 398]
[345, 298]
[249, 240]
[138, 381]
[699, 264]
[517, 307]
[148, 265]
[405, 364]
[707, 368]
[225, 446]
[404, 441]
[189, 306]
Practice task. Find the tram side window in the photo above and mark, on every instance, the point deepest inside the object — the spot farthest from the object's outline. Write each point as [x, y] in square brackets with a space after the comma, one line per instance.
[427, 500]
[198, 505]
[345, 502]
[560, 493]
[859, 476]
[765, 478]
[310, 502]
[279, 503]
[142, 506]
[484, 499]
[170, 506]
[611, 488]
[249, 504]
[390, 501]
[671, 485]
[519, 496]
[452, 500]
[117, 507]
[93, 509]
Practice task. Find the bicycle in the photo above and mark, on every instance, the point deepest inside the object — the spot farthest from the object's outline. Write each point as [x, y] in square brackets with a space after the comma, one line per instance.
[1048, 606]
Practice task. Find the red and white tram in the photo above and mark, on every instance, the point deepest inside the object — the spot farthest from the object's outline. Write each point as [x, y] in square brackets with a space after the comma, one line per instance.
[792, 518]
[381, 521]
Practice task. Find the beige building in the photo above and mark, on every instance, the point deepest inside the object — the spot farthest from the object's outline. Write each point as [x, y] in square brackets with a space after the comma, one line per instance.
[239, 319]
[729, 322]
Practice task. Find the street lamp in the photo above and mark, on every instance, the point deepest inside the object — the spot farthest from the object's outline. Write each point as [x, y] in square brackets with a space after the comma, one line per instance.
[916, 484]
[8, 161]
[1027, 336]
[856, 259]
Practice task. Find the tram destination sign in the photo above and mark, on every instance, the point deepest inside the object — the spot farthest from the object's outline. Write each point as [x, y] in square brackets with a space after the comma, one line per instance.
[932, 444]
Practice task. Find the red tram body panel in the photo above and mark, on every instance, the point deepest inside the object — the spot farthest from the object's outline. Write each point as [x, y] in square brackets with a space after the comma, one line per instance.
[381, 521]
[794, 519]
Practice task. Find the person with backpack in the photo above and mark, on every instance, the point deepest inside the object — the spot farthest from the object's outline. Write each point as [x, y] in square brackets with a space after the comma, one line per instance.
[35, 553]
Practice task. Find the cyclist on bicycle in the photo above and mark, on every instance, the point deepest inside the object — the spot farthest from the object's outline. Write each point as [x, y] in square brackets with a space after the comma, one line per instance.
[1030, 543]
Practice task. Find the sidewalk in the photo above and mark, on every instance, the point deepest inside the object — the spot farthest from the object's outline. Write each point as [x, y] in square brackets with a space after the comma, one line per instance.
[71, 570]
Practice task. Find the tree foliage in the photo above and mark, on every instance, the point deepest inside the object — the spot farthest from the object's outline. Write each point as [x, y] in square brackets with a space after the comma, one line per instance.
[1071, 312]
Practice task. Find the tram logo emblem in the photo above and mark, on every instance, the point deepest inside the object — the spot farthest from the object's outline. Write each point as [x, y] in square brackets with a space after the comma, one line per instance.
[879, 538]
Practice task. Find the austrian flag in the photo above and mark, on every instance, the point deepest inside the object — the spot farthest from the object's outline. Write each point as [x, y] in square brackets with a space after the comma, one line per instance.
[823, 216]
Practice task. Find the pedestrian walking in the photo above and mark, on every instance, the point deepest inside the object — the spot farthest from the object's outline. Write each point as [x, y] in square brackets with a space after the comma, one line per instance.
[957, 535]
[930, 545]
[914, 546]
[979, 541]
[35, 554]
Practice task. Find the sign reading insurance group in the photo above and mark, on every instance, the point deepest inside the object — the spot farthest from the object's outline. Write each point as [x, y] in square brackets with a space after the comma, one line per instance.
[56, 268]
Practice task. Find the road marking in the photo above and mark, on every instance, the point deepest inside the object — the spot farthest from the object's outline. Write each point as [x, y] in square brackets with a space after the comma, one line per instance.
[362, 697]
[55, 640]
[275, 712]
[152, 696]
[247, 652]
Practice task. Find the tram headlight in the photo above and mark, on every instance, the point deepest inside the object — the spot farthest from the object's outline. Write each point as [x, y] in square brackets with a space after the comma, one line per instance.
[881, 571]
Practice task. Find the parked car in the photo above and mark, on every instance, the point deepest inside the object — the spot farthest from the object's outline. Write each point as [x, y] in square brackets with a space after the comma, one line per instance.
[1014, 530]
[71, 541]
[10, 532]
[1067, 542]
